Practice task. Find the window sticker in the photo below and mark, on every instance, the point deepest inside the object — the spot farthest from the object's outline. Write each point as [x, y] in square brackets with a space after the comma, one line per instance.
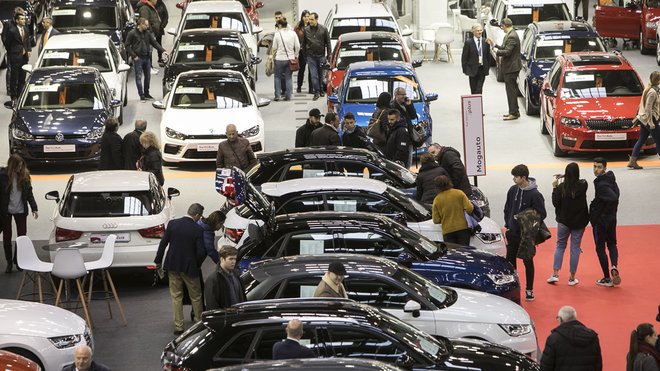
[572, 77]
[191, 47]
[189, 90]
[313, 173]
[352, 53]
[194, 17]
[311, 247]
[550, 43]
[429, 346]
[56, 55]
[307, 291]
[44, 88]
[344, 205]
[64, 12]
[518, 11]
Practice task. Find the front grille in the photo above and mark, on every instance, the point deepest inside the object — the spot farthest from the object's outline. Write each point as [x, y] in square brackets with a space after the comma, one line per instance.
[207, 136]
[171, 149]
[618, 124]
[256, 147]
[66, 136]
[609, 144]
[194, 154]
[79, 154]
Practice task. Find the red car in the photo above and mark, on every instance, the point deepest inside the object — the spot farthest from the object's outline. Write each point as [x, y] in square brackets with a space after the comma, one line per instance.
[588, 102]
[14, 362]
[251, 7]
[628, 19]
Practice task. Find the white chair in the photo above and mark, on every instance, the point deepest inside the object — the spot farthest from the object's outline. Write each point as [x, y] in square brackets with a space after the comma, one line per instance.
[33, 267]
[418, 43]
[103, 264]
[69, 265]
[466, 24]
[444, 36]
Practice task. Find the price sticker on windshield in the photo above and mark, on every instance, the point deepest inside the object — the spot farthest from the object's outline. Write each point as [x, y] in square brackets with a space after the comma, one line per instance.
[56, 55]
[191, 47]
[550, 43]
[196, 17]
[518, 11]
[574, 77]
[64, 12]
[189, 90]
[44, 88]
[352, 53]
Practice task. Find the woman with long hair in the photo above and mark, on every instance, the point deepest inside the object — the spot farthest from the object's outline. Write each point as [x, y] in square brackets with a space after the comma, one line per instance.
[378, 126]
[648, 116]
[302, 60]
[643, 355]
[285, 48]
[17, 197]
[151, 159]
[572, 214]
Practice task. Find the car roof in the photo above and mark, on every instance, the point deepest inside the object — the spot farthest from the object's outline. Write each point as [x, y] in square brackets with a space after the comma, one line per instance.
[588, 60]
[215, 6]
[278, 189]
[77, 41]
[60, 74]
[317, 153]
[329, 364]
[111, 180]
[526, 3]
[85, 2]
[369, 35]
[562, 27]
[380, 68]
[207, 73]
[333, 219]
[361, 10]
[219, 32]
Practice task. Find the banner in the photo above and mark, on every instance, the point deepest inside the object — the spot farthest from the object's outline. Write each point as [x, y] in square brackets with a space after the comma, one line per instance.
[474, 149]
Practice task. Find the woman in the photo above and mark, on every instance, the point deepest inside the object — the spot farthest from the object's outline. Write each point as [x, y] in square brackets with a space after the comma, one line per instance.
[648, 116]
[151, 159]
[15, 204]
[111, 152]
[426, 188]
[378, 126]
[448, 209]
[302, 60]
[215, 221]
[285, 47]
[643, 355]
[572, 215]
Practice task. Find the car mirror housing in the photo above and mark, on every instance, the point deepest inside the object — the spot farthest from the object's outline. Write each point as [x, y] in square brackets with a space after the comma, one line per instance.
[172, 192]
[430, 97]
[53, 195]
[412, 307]
[257, 30]
[259, 4]
[115, 103]
[171, 31]
[494, 23]
[417, 63]
[123, 67]
[27, 68]
[158, 104]
[405, 361]
[8, 104]
[255, 60]
[523, 56]
[549, 92]
[263, 102]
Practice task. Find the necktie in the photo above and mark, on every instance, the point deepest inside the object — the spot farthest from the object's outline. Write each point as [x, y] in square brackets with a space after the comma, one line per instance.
[20, 29]
[478, 42]
[43, 43]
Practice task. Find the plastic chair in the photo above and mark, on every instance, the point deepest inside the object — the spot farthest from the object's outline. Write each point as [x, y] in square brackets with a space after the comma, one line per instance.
[444, 36]
[466, 24]
[33, 267]
[69, 265]
[103, 264]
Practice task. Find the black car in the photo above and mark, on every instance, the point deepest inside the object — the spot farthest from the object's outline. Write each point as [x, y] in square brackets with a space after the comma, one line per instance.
[210, 49]
[61, 115]
[246, 333]
[320, 364]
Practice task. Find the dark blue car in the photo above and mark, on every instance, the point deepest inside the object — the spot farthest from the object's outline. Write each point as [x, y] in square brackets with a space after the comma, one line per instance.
[60, 115]
[541, 43]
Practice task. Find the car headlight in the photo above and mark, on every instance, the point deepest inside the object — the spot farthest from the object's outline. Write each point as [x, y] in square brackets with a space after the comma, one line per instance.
[502, 279]
[571, 121]
[489, 237]
[174, 134]
[22, 135]
[651, 25]
[96, 133]
[516, 330]
[66, 341]
[251, 132]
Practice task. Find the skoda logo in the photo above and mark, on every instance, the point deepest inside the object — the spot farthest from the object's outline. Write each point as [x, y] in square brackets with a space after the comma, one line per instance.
[59, 137]
[109, 225]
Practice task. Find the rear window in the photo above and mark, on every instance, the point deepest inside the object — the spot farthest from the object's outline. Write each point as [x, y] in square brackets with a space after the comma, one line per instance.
[551, 49]
[88, 16]
[352, 53]
[523, 16]
[599, 84]
[110, 204]
[208, 52]
[345, 25]
[232, 21]
[97, 58]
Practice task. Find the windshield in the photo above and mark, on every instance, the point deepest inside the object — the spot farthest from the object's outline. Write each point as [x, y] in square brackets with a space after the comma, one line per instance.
[210, 93]
[97, 58]
[424, 343]
[423, 287]
[416, 241]
[62, 96]
[87, 16]
[345, 25]
[232, 21]
[600, 84]
[407, 176]
[420, 211]
[368, 51]
[110, 204]
[367, 89]
[523, 16]
[550, 49]
[210, 51]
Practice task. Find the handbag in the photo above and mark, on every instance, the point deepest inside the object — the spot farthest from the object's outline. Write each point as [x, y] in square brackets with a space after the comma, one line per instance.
[417, 134]
[270, 65]
[294, 64]
[472, 222]
[375, 129]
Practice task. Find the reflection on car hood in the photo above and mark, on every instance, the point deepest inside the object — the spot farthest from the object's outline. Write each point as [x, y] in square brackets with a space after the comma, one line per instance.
[78, 122]
[467, 353]
[485, 308]
[201, 121]
[23, 318]
[173, 70]
[540, 67]
[467, 259]
[601, 108]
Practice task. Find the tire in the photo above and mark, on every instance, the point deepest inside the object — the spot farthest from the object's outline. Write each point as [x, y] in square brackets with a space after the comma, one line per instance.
[558, 152]
[498, 73]
[544, 129]
[642, 49]
[530, 109]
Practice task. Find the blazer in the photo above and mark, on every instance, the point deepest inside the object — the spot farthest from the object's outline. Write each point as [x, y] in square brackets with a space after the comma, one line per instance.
[290, 349]
[470, 57]
[132, 149]
[510, 53]
[15, 44]
[93, 367]
[53, 32]
[186, 241]
[111, 154]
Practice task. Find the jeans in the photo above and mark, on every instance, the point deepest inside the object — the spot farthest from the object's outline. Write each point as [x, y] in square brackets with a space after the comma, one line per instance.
[21, 230]
[142, 66]
[282, 71]
[176, 281]
[316, 71]
[644, 135]
[302, 60]
[563, 232]
[605, 234]
[461, 237]
[513, 243]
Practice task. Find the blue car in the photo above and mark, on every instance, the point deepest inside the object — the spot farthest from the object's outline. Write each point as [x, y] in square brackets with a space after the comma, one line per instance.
[541, 43]
[61, 115]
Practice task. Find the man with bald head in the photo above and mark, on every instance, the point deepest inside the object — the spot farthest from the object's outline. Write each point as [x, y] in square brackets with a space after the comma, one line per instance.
[83, 361]
[235, 151]
[290, 347]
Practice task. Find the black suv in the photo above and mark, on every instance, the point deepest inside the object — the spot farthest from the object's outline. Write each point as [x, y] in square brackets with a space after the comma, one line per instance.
[246, 333]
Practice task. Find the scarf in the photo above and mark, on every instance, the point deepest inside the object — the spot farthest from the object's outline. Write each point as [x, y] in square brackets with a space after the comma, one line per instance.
[338, 289]
[645, 347]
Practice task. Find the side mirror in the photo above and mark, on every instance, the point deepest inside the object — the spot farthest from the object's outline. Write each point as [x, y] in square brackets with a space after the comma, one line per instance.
[412, 307]
[172, 192]
[259, 4]
[494, 23]
[255, 60]
[27, 68]
[9, 105]
[417, 63]
[326, 66]
[263, 102]
[549, 92]
[405, 259]
[115, 103]
[157, 104]
[406, 32]
[257, 30]
[53, 195]
[405, 362]
[171, 31]
[523, 56]
[333, 98]
[399, 217]
[430, 97]
[123, 67]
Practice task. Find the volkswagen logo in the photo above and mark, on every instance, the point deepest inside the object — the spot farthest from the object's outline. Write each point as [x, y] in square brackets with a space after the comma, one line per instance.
[109, 225]
[59, 136]
[211, 130]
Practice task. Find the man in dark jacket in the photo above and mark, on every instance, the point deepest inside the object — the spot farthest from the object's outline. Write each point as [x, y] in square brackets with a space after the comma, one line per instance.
[427, 189]
[83, 361]
[147, 9]
[398, 146]
[290, 348]
[235, 151]
[602, 214]
[571, 345]
[138, 47]
[475, 59]
[316, 46]
[18, 46]
[327, 135]
[450, 159]
[353, 135]
[111, 151]
[183, 260]
[510, 65]
[304, 133]
[404, 105]
[131, 147]
[164, 19]
[223, 288]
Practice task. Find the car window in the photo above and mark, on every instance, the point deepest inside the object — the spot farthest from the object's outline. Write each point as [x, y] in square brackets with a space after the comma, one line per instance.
[114, 54]
[208, 51]
[302, 204]
[65, 196]
[44, 95]
[303, 287]
[345, 25]
[600, 83]
[87, 16]
[271, 335]
[367, 89]
[305, 170]
[309, 243]
[554, 75]
[352, 202]
[211, 92]
[232, 21]
[88, 57]
[653, 3]
[371, 243]
[375, 291]
[157, 198]
[236, 348]
[522, 16]
[361, 170]
[358, 52]
[551, 49]
[352, 342]
[108, 204]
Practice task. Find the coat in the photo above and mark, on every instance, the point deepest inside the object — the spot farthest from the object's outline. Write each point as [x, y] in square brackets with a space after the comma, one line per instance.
[153, 162]
[470, 57]
[93, 367]
[450, 159]
[291, 349]
[53, 32]
[572, 212]
[407, 111]
[216, 291]
[186, 247]
[17, 47]
[237, 153]
[510, 53]
[164, 15]
[111, 152]
[572, 346]
[316, 42]
[449, 208]
[209, 241]
[604, 206]
[138, 44]
[425, 182]
[356, 139]
[519, 199]
[324, 290]
[326, 135]
[529, 221]
[304, 134]
[149, 12]
[646, 359]
[132, 149]
[398, 143]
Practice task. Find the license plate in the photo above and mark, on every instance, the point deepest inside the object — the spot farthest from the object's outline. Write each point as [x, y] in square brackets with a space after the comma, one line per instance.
[611, 136]
[101, 237]
[207, 147]
[52, 148]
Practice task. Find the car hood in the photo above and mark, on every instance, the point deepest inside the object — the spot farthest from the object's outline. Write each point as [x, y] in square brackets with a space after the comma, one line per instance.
[72, 122]
[174, 70]
[479, 306]
[24, 318]
[471, 354]
[202, 121]
[600, 108]
[468, 259]
[363, 111]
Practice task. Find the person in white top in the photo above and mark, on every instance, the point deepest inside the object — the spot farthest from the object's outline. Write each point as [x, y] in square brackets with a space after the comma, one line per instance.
[286, 46]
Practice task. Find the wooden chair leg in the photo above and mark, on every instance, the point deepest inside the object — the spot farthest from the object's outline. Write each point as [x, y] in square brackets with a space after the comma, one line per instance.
[114, 293]
[41, 294]
[91, 285]
[106, 292]
[20, 287]
[81, 294]
[59, 293]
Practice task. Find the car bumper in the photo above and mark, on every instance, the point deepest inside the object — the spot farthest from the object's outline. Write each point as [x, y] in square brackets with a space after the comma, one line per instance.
[188, 150]
[37, 151]
[126, 256]
[581, 140]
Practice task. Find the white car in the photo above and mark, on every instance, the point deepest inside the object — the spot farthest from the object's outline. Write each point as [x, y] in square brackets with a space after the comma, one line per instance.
[129, 204]
[218, 14]
[88, 50]
[198, 109]
[43, 333]
[358, 194]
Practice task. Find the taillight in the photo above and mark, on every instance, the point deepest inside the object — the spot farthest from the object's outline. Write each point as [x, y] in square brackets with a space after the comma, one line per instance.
[156, 231]
[62, 234]
[234, 234]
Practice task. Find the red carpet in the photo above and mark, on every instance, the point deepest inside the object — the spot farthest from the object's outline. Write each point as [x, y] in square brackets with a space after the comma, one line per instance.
[612, 312]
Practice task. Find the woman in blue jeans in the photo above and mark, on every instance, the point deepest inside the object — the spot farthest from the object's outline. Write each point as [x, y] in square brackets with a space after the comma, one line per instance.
[285, 47]
[569, 198]
[649, 114]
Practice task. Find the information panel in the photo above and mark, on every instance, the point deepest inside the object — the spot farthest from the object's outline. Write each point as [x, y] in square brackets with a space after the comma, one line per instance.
[474, 150]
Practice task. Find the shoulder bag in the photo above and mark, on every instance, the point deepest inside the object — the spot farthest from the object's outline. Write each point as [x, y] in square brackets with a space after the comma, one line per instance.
[375, 129]
[294, 65]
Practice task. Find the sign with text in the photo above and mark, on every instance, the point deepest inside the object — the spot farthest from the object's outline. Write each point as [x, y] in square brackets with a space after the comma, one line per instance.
[474, 150]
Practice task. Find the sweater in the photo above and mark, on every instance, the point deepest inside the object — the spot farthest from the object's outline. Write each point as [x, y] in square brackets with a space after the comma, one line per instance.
[285, 45]
[570, 211]
[449, 208]
[519, 199]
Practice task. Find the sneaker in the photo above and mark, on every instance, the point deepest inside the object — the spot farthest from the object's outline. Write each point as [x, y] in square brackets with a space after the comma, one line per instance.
[605, 282]
[616, 279]
[573, 282]
[148, 96]
[277, 99]
[143, 98]
[554, 278]
[154, 71]
[322, 93]
[529, 295]
[298, 90]
[316, 97]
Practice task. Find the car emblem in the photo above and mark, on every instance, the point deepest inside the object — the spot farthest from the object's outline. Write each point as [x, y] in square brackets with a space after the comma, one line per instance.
[109, 225]
[211, 130]
[59, 137]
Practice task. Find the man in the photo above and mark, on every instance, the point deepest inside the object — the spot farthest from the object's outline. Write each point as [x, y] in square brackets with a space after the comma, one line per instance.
[398, 146]
[404, 105]
[83, 361]
[235, 151]
[223, 288]
[147, 9]
[521, 196]
[131, 147]
[6, 26]
[475, 59]
[290, 348]
[328, 134]
[571, 345]
[510, 64]
[304, 132]
[47, 23]
[331, 284]
[450, 160]
[164, 16]
[138, 47]
[602, 214]
[316, 46]
[18, 46]
[111, 150]
[353, 135]
[183, 260]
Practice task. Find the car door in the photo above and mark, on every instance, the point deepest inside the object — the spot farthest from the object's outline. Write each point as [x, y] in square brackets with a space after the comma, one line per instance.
[526, 58]
[549, 100]
[617, 18]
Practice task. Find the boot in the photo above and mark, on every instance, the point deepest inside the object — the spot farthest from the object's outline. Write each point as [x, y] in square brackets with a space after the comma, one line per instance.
[632, 163]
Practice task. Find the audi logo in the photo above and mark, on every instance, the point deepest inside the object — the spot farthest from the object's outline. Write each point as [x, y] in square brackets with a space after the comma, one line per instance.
[109, 225]
[59, 137]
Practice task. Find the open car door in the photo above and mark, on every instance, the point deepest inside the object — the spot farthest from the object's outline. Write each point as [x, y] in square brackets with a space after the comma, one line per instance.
[618, 18]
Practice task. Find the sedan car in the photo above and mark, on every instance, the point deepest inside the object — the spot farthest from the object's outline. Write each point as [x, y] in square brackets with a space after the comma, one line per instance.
[44, 334]
[341, 328]
[61, 114]
[128, 204]
[441, 311]
[198, 109]
[320, 364]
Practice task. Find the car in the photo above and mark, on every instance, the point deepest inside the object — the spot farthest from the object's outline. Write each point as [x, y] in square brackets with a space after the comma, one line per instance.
[90, 50]
[589, 102]
[213, 49]
[340, 328]
[218, 14]
[628, 19]
[129, 204]
[358, 194]
[320, 364]
[541, 43]
[15, 362]
[360, 46]
[198, 109]
[60, 116]
[251, 7]
[521, 13]
[379, 282]
[45, 334]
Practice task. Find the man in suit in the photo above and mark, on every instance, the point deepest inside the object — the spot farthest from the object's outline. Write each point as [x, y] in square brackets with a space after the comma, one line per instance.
[83, 361]
[17, 43]
[49, 31]
[510, 65]
[290, 347]
[476, 59]
[131, 147]
[184, 257]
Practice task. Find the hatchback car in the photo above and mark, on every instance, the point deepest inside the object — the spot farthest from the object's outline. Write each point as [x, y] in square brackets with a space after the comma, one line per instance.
[340, 328]
[44, 334]
[314, 364]
[128, 204]
[441, 311]
[541, 43]
[198, 109]
[60, 115]
[251, 7]
[589, 102]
